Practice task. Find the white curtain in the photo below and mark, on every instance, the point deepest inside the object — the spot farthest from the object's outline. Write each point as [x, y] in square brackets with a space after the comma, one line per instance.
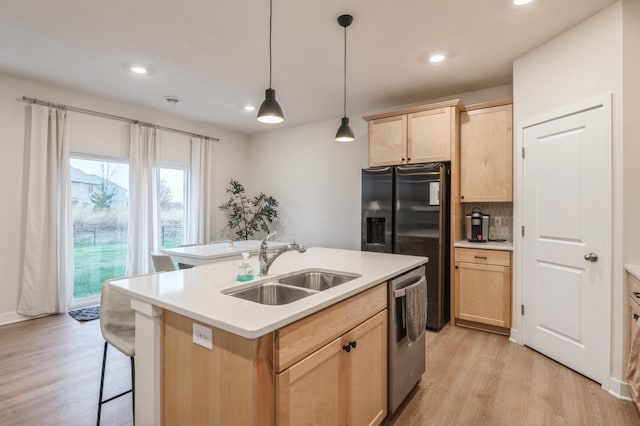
[144, 178]
[200, 223]
[47, 270]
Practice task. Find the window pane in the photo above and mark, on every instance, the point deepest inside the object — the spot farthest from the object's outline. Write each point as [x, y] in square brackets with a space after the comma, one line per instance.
[100, 194]
[172, 207]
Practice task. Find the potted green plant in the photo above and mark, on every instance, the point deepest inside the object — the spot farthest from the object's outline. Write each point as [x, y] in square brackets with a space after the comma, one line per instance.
[248, 216]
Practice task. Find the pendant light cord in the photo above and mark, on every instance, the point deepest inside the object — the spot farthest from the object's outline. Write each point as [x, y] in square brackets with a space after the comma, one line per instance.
[345, 72]
[270, 26]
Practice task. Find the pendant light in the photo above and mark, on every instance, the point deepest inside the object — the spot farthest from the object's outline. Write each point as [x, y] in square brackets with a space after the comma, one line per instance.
[345, 133]
[270, 111]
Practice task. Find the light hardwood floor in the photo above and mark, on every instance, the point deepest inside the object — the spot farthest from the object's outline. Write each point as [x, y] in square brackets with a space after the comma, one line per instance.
[50, 373]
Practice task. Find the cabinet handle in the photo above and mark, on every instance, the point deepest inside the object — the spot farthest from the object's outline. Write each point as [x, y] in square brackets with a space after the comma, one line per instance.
[402, 159]
[636, 294]
[348, 346]
[462, 197]
[408, 158]
[456, 267]
[481, 257]
[635, 317]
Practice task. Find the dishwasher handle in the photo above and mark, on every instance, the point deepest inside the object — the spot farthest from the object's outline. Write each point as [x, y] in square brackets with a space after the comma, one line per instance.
[402, 292]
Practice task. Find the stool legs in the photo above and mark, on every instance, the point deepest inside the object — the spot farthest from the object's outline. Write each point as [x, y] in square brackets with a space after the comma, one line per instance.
[132, 390]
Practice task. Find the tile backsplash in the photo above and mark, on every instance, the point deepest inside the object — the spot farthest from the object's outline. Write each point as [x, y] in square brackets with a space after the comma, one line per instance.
[495, 210]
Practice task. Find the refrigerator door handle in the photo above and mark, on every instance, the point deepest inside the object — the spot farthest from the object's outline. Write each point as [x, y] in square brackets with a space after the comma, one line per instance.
[378, 169]
[410, 167]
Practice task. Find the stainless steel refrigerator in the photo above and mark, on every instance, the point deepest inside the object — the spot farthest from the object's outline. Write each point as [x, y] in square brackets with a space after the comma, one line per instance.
[405, 210]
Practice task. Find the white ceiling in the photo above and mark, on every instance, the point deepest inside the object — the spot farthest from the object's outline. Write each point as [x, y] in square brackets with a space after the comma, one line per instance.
[214, 54]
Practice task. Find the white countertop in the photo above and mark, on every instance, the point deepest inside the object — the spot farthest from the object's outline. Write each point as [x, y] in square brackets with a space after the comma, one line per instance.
[633, 270]
[196, 292]
[491, 245]
[205, 253]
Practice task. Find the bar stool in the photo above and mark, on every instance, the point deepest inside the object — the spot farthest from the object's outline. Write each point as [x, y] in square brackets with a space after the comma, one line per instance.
[162, 263]
[117, 324]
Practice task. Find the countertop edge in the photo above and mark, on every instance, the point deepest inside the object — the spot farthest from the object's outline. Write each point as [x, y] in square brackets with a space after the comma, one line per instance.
[633, 270]
[253, 333]
[491, 245]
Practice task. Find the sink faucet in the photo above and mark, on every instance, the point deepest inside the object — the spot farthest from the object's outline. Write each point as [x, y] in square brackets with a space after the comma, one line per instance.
[265, 261]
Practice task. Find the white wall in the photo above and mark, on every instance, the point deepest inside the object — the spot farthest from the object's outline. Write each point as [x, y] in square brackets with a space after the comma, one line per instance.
[631, 129]
[90, 135]
[582, 63]
[318, 180]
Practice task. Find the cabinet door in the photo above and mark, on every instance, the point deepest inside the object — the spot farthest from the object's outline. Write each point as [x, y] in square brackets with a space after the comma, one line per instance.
[483, 293]
[429, 136]
[366, 371]
[311, 391]
[388, 141]
[486, 150]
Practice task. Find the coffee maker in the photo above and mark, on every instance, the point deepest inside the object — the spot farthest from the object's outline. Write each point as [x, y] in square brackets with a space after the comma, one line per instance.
[477, 225]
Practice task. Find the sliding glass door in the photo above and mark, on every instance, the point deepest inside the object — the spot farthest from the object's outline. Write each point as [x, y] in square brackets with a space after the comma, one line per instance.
[100, 197]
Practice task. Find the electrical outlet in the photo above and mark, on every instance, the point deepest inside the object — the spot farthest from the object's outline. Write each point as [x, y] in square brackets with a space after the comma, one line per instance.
[497, 221]
[203, 336]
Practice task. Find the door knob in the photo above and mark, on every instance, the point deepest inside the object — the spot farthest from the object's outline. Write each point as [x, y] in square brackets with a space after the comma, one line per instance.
[591, 257]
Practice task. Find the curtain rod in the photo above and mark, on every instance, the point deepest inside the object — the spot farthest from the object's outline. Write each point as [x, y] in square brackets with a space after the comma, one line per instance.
[114, 117]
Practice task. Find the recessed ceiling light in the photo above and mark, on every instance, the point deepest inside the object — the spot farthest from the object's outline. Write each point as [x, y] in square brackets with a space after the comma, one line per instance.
[521, 2]
[138, 69]
[438, 57]
[249, 108]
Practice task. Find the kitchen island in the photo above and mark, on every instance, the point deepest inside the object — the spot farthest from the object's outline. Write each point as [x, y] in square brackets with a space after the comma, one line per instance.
[258, 351]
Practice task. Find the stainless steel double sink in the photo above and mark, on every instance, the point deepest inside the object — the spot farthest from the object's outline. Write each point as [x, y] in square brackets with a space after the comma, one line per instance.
[292, 287]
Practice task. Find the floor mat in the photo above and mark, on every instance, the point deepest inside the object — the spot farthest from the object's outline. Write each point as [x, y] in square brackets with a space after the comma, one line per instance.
[86, 314]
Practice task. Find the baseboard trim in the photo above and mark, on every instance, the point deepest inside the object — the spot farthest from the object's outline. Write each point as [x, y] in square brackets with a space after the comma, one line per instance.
[11, 317]
[619, 389]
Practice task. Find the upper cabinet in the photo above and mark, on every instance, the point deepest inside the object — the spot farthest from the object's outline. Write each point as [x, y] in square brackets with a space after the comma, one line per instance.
[486, 152]
[414, 135]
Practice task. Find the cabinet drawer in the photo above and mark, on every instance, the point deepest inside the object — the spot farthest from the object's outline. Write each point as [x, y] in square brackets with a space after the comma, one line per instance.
[634, 317]
[633, 284]
[488, 257]
[297, 340]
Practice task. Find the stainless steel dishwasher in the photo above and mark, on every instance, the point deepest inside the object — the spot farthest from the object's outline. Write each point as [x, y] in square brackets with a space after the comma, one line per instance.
[406, 361]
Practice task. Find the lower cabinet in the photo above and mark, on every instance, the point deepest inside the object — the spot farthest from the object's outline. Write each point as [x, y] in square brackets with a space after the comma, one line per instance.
[342, 383]
[482, 296]
[329, 368]
[633, 286]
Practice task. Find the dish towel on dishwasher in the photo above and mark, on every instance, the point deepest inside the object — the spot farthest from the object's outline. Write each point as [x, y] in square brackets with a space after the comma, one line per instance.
[415, 309]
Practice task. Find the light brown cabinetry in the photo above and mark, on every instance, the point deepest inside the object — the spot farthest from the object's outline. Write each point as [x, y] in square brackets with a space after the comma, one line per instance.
[633, 285]
[414, 135]
[482, 293]
[486, 153]
[299, 374]
[344, 382]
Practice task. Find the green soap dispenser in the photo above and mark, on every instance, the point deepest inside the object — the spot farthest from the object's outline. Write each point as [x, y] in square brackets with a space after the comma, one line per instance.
[245, 270]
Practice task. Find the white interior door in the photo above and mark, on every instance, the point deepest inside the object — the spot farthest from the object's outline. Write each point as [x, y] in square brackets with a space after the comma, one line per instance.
[567, 241]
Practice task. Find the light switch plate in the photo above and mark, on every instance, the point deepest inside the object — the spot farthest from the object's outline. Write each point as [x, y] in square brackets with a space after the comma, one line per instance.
[497, 221]
[203, 336]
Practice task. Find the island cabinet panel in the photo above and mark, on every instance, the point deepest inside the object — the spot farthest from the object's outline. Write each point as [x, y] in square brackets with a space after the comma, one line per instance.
[303, 337]
[232, 384]
[486, 154]
[483, 289]
[342, 383]
[366, 369]
[310, 392]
